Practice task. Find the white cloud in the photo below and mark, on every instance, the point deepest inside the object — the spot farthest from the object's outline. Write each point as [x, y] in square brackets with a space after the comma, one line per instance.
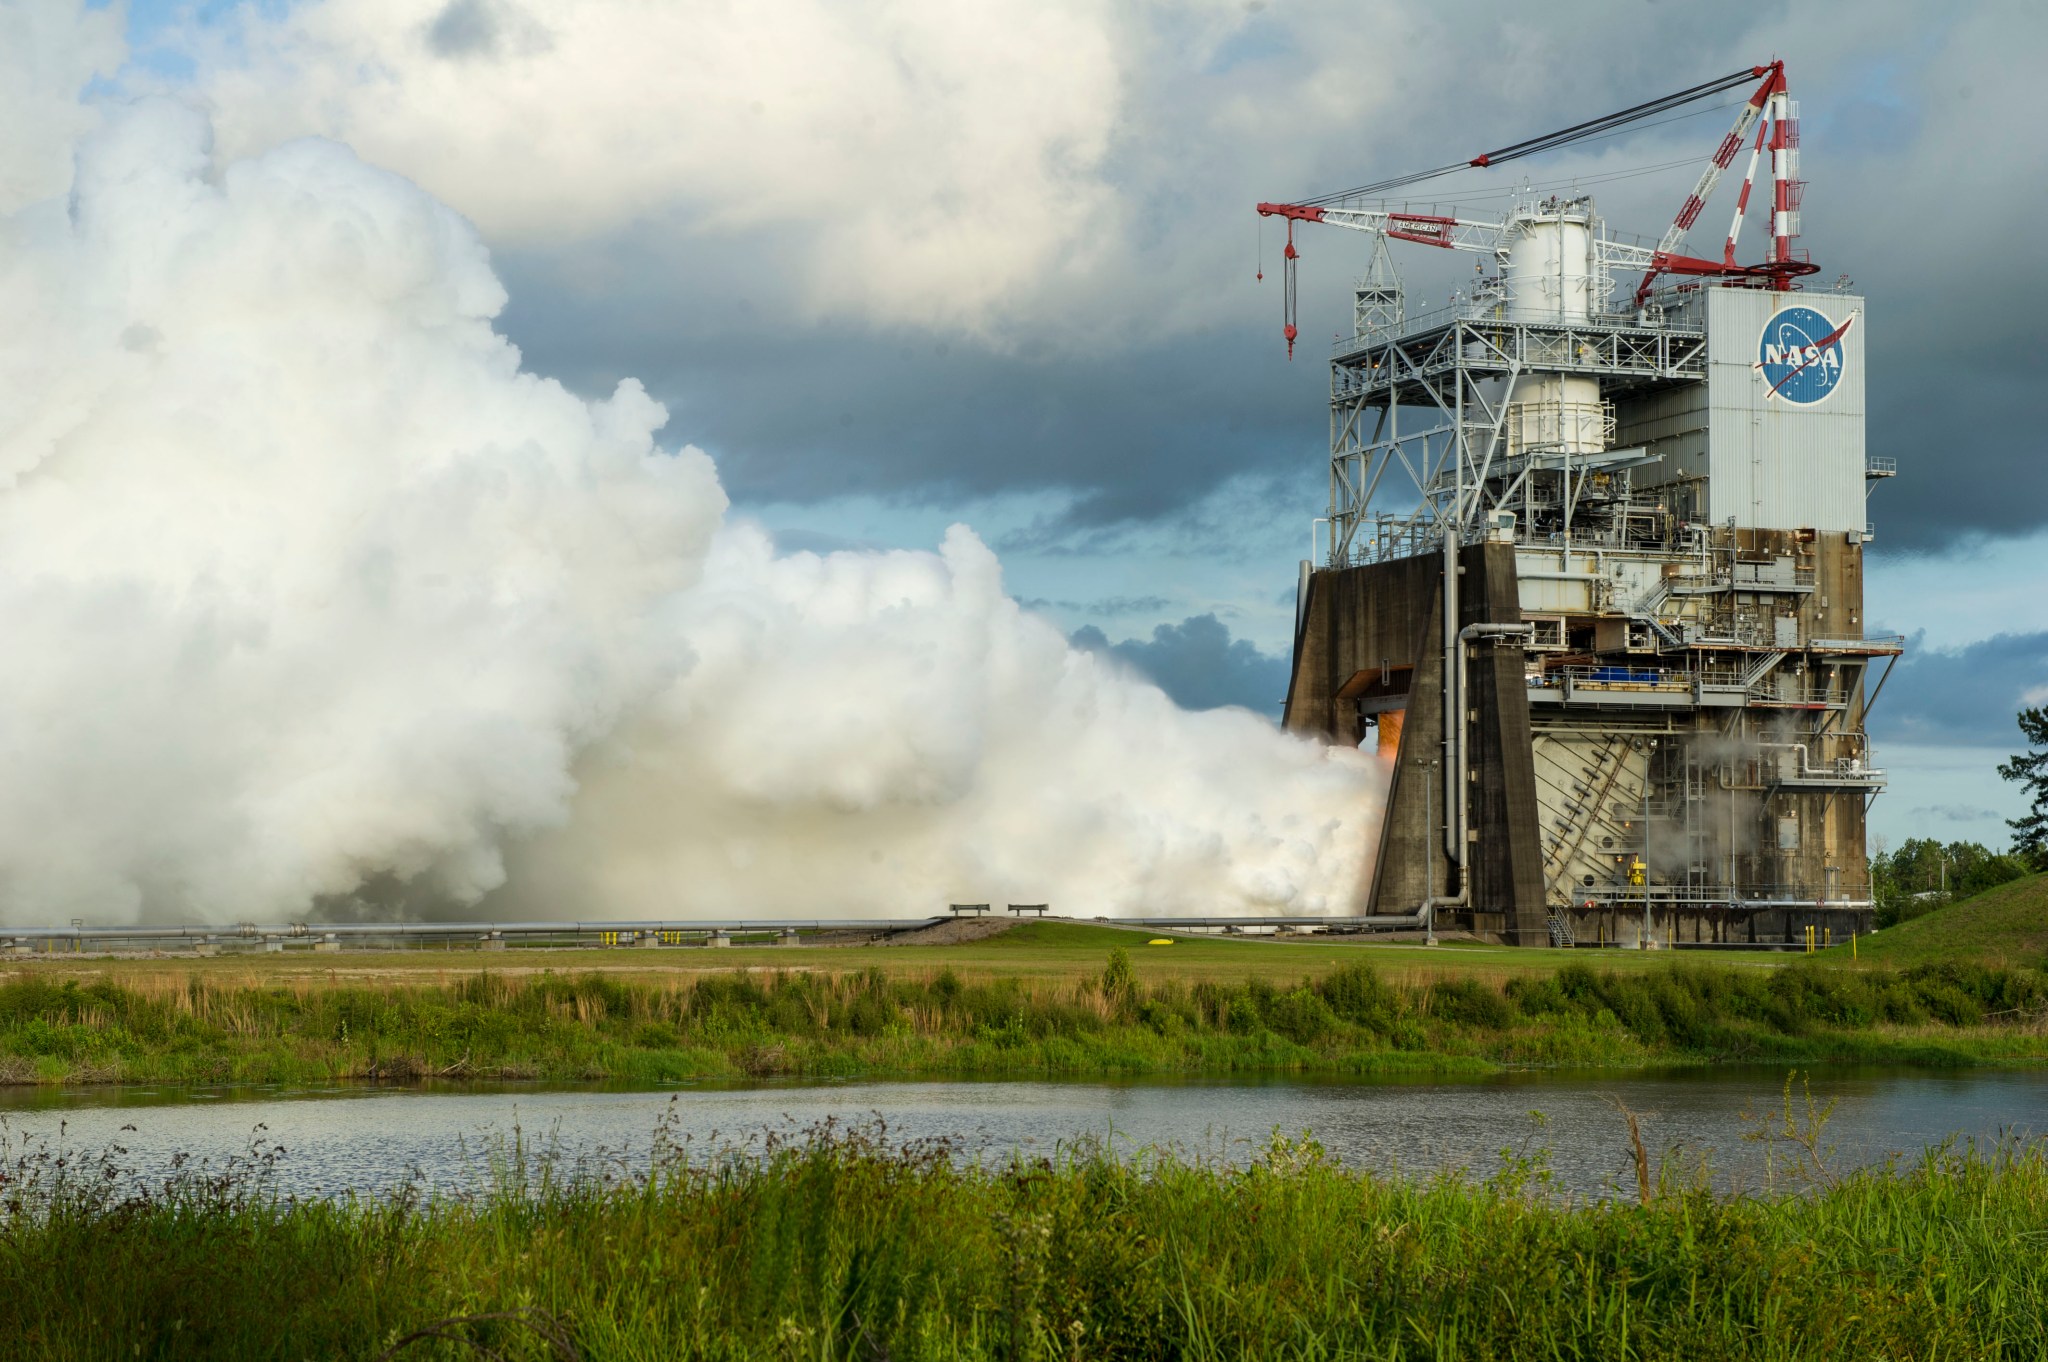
[52, 52]
[933, 159]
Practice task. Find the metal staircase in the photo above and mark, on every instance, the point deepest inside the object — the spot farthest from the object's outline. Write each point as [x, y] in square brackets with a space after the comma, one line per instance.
[1645, 610]
[1761, 668]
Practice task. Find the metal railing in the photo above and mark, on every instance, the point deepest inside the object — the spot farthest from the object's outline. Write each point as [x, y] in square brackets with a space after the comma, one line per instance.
[1497, 308]
[630, 932]
[1383, 538]
[1750, 897]
[1614, 677]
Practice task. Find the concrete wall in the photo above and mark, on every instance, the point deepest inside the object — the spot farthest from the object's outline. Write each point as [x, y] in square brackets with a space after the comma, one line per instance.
[1721, 926]
[1385, 617]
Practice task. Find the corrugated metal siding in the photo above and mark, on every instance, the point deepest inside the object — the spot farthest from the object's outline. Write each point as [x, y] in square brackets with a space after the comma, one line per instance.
[1674, 423]
[1774, 464]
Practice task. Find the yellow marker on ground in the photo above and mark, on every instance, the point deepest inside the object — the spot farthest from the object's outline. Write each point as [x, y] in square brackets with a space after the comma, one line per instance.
[1160, 941]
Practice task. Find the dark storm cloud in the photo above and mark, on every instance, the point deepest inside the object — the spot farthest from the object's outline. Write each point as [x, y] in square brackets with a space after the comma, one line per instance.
[465, 28]
[1956, 813]
[803, 410]
[1199, 664]
[484, 30]
[1963, 696]
[799, 413]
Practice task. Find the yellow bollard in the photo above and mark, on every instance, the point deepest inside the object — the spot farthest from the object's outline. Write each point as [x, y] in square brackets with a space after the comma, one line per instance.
[1852, 945]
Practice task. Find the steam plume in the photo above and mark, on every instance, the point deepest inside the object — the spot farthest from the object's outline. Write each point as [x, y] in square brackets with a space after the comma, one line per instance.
[306, 583]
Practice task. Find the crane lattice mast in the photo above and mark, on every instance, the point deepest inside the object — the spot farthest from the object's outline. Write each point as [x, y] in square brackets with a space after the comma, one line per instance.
[1769, 109]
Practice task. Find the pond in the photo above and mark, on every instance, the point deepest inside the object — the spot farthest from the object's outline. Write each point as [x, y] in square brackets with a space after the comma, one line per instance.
[375, 1138]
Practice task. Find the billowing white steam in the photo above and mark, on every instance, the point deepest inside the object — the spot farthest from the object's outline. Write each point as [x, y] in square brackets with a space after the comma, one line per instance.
[304, 583]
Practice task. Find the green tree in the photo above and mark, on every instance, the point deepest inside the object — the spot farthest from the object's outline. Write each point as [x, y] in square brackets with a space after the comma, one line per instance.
[1923, 875]
[2030, 769]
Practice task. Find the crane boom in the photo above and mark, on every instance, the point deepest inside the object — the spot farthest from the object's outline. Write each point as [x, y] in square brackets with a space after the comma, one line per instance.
[1769, 106]
[1428, 229]
[1667, 258]
[1723, 157]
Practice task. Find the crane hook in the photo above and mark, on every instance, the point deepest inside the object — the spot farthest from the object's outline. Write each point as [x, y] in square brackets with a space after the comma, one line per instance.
[1288, 257]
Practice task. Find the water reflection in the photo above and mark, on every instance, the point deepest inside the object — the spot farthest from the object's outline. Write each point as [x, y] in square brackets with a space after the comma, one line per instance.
[367, 1138]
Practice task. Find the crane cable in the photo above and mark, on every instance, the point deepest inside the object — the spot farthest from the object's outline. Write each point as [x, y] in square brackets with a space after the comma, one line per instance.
[1550, 141]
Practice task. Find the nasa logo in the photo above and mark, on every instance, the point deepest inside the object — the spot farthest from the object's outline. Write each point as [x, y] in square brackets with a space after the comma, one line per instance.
[1800, 355]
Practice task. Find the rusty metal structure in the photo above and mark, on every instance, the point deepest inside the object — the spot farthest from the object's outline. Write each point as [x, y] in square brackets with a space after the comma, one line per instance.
[1591, 577]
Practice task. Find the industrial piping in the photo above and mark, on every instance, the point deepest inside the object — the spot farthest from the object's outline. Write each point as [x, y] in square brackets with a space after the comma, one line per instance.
[300, 931]
[1457, 752]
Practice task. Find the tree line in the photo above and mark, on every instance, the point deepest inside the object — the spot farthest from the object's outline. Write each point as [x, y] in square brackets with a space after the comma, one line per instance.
[1925, 873]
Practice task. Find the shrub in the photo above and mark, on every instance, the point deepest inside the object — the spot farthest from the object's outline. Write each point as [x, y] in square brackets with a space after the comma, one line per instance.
[1468, 1002]
[1356, 993]
[1301, 1016]
[1118, 980]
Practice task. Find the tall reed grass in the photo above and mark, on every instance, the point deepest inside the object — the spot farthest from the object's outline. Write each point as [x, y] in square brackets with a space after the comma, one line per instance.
[838, 1244]
[216, 1029]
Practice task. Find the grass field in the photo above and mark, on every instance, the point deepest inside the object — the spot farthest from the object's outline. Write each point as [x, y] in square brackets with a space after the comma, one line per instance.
[1063, 1007]
[836, 1246]
[2005, 925]
[1055, 950]
[1964, 985]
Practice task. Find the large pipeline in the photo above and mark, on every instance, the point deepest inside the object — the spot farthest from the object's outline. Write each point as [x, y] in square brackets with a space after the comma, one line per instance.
[695, 927]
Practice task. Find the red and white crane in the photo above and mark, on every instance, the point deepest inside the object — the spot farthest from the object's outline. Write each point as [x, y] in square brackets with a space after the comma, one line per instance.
[1769, 110]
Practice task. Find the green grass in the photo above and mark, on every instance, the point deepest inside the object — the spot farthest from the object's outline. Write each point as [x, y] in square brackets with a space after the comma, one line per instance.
[1120, 1019]
[837, 1246]
[2005, 925]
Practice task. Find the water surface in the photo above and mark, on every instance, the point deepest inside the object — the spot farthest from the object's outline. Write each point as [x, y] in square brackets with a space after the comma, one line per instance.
[373, 1139]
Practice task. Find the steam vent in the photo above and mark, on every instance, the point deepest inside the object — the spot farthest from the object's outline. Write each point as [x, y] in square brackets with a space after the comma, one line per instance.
[1612, 635]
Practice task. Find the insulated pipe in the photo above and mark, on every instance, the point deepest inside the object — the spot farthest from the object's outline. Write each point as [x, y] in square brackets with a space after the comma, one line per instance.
[1466, 635]
[1457, 772]
[245, 931]
[249, 931]
[1301, 601]
[1452, 728]
[1453, 732]
[1805, 765]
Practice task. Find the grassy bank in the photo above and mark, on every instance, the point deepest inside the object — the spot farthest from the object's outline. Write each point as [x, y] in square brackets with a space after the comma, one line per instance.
[837, 1247]
[161, 1027]
[2001, 926]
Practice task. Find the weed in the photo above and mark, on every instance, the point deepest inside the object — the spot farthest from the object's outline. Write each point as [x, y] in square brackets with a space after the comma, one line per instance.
[837, 1242]
[152, 1027]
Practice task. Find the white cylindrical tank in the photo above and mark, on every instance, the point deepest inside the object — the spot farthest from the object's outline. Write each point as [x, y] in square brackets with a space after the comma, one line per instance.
[1548, 271]
[1556, 412]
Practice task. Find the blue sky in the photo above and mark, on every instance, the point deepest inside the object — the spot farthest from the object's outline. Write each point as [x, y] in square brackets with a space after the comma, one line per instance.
[1051, 330]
